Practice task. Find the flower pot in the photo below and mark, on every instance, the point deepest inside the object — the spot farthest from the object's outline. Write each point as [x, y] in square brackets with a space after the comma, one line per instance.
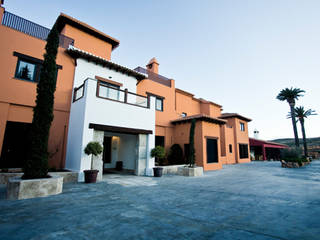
[90, 176]
[157, 171]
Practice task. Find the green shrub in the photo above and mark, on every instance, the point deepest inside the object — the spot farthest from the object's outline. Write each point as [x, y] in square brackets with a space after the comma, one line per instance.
[159, 154]
[36, 164]
[293, 155]
[93, 148]
[175, 155]
[192, 156]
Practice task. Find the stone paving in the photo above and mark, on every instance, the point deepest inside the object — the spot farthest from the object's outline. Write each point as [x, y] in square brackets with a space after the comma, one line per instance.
[258, 200]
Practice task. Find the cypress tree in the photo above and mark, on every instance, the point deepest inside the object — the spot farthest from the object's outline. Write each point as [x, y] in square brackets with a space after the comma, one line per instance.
[191, 157]
[36, 165]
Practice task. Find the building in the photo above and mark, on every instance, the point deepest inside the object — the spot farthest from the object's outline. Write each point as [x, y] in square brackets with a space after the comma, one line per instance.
[127, 111]
[265, 150]
[221, 138]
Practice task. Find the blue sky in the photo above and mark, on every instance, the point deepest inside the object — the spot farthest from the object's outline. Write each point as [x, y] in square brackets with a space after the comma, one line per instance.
[237, 53]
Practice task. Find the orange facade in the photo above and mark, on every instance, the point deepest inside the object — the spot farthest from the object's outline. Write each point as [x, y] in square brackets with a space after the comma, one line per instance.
[176, 109]
[17, 96]
[179, 105]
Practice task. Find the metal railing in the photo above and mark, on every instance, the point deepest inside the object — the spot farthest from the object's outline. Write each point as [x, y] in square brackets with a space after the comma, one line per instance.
[124, 96]
[23, 25]
[154, 77]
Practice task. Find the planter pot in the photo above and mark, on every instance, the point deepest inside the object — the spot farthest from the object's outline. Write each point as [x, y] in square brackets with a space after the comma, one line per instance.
[90, 176]
[190, 171]
[18, 188]
[119, 166]
[157, 172]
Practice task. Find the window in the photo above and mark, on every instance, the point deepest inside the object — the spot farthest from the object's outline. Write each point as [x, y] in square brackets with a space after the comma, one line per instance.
[243, 150]
[212, 150]
[230, 148]
[159, 104]
[159, 141]
[242, 127]
[28, 70]
[108, 90]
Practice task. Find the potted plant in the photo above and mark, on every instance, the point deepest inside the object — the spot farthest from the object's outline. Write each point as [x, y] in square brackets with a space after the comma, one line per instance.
[92, 148]
[159, 153]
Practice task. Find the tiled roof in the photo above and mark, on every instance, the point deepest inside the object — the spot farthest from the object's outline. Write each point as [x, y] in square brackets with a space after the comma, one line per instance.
[234, 115]
[200, 117]
[78, 53]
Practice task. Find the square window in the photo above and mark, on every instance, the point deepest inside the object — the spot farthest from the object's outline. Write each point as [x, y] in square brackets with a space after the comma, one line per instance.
[26, 71]
[159, 104]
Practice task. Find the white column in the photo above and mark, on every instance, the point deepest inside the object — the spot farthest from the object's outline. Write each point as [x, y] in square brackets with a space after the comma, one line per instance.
[97, 162]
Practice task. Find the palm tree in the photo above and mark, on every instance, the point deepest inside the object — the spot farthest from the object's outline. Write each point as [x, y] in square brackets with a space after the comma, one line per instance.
[301, 114]
[291, 95]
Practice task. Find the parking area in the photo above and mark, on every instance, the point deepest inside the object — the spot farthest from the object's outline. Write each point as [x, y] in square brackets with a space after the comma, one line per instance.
[258, 200]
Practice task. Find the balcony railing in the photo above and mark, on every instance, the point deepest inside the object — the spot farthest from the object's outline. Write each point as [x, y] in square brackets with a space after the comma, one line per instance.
[124, 96]
[154, 77]
[23, 25]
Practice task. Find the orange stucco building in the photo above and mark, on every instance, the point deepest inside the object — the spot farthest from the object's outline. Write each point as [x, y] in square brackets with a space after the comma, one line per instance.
[22, 45]
[221, 138]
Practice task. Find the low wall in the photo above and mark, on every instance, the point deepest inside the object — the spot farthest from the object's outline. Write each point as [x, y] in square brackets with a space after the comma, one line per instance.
[67, 176]
[171, 170]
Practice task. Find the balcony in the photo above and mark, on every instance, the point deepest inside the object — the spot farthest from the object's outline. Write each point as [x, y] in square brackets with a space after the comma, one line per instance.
[107, 92]
[35, 30]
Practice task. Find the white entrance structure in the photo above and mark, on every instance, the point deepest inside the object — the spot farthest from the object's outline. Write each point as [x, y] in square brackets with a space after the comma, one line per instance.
[106, 108]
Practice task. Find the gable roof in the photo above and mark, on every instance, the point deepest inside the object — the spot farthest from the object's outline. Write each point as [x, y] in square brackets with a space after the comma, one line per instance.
[64, 19]
[78, 53]
[200, 117]
[234, 115]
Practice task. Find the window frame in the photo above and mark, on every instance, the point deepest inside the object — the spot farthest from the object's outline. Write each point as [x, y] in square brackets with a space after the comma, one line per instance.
[242, 127]
[38, 66]
[230, 148]
[36, 73]
[159, 99]
[243, 147]
[110, 86]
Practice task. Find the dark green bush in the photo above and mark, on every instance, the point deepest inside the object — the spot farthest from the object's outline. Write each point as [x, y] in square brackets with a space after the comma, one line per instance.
[159, 154]
[175, 155]
[93, 148]
[36, 164]
[293, 155]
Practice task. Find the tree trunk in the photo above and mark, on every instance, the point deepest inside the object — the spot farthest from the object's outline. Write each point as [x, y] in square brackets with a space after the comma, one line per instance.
[304, 138]
[294, 124]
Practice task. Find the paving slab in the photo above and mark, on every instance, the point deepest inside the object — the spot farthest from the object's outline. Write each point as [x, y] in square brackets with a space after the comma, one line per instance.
[258, 200]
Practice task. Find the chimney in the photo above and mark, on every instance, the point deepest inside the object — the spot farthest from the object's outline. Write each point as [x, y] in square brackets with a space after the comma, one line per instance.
[256, 134]
[153, 66]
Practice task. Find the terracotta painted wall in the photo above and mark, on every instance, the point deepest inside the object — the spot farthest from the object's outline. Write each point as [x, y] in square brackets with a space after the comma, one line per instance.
[87, 42]
[17, 97]
[210, 130]
[239, 137]
[163, 118]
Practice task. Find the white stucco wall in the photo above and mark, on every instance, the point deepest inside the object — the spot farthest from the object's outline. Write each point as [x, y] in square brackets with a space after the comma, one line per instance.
[87, 69]
[91, 109]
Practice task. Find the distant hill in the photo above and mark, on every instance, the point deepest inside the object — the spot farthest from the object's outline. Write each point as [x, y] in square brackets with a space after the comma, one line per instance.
[290, 141]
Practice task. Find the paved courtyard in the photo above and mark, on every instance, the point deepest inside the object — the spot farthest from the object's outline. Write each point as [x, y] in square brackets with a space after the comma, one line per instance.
[258, 200]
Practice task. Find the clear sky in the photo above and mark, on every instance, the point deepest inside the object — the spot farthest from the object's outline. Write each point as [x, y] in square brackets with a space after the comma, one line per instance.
[237, 53]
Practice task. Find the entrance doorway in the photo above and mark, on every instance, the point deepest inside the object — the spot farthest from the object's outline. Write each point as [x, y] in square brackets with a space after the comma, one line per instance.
[107, 142]
[212, 150]
[15, 145]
